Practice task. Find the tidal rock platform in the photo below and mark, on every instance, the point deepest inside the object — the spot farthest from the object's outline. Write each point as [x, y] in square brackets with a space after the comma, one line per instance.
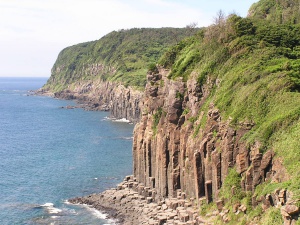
[131, 203]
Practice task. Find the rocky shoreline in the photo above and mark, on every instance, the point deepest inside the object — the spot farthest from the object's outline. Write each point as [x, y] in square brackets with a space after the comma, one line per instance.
[98, 95]
[85, 104]
[133, 204]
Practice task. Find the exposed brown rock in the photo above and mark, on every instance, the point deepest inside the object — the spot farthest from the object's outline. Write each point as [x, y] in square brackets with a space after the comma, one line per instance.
[291, 209]
[122, 102]
[130, 207]
[220, 205]
[172, 147]
[181, 150]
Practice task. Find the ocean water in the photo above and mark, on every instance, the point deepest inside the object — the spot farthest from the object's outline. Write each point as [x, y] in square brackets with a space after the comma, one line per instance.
[49, 154]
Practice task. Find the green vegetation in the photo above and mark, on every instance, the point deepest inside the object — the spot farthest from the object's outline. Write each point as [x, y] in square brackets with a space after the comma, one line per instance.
[272, 216]
[179, 95]
[287, 146]
[257, 65]
[120, 56]
[279, 11]
[206, 208]
[152, 68]
[185, 111]
[156, 117]
[232, 183]
[253, 69]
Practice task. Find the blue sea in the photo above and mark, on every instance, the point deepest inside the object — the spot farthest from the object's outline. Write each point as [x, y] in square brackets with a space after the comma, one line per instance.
[49, 154]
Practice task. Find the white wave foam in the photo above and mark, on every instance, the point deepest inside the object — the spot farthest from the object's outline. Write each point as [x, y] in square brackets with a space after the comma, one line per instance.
[50, 208]
[123, 120]
[113, 119]
[98, 214]
[102, 215]
[53, 210]
[111, 222]
[127, 138]
[106, 118]
[95, 212]
[73, 211]
[48, 204]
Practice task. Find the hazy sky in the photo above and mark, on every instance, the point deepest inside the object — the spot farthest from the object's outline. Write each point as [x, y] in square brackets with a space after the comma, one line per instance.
[33, 32]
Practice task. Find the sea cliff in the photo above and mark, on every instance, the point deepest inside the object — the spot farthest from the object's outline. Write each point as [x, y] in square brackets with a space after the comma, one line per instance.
[217, 121]
[101, 95]
[168, 156]
[109, 74]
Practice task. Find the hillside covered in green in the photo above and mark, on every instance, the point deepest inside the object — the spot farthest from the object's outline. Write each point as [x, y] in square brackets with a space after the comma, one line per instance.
[277, 12]
[122, 56]
[252, 66]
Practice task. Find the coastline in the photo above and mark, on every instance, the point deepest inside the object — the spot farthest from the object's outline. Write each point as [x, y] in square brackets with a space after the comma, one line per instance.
[48, 135]
[99, 95]
[130, 203]
[85, 104]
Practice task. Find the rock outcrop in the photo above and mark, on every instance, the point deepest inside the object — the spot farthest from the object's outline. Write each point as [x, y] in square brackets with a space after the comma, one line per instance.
[121, 101]
[131, 203]
[182, 142]
[183, 151]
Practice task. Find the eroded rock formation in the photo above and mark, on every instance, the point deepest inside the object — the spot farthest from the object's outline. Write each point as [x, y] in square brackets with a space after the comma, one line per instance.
[121, 101]
[182, 142]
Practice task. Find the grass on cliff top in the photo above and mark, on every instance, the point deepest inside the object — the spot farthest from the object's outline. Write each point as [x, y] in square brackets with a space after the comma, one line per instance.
[279, 11]
[121, 56]
[253, 67]
[286, 146]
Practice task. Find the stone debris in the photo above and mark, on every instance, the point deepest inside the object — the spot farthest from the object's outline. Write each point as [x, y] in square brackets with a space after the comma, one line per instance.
[169, 158]
[133, 204]
[121, 101]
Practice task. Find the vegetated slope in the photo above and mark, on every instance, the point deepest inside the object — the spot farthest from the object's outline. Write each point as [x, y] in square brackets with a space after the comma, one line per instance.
[118, 56]
[253, 69]
[279, 11]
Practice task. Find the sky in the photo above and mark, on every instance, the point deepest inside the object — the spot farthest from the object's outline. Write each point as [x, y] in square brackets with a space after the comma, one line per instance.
[33, 32]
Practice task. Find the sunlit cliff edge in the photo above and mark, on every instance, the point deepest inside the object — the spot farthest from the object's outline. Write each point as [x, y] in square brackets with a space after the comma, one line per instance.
[216, 109]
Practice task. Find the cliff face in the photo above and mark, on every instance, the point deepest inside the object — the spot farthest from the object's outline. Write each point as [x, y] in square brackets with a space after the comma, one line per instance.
[172, 150]
[279, 11]
[220, 115]
[122, 102]
[120, 56]
[100, 74]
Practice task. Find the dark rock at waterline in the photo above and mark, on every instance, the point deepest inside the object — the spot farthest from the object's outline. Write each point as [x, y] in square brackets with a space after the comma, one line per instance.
[93, 201]
[131, 203]
[69, 107]
[121, 101]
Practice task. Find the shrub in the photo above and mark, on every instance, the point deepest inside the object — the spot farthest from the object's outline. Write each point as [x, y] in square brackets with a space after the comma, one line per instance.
[152, 68]
[156, 118]
[233, 179]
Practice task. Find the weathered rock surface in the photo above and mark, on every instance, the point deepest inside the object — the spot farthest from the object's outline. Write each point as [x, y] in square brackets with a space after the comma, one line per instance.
[132, 203]
[182, 152]
[180, 143]
[101, 95]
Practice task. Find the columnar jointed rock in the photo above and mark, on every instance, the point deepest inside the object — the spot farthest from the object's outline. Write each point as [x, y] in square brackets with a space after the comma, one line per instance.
[178, 144]
[122, 102]
[134, 208]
